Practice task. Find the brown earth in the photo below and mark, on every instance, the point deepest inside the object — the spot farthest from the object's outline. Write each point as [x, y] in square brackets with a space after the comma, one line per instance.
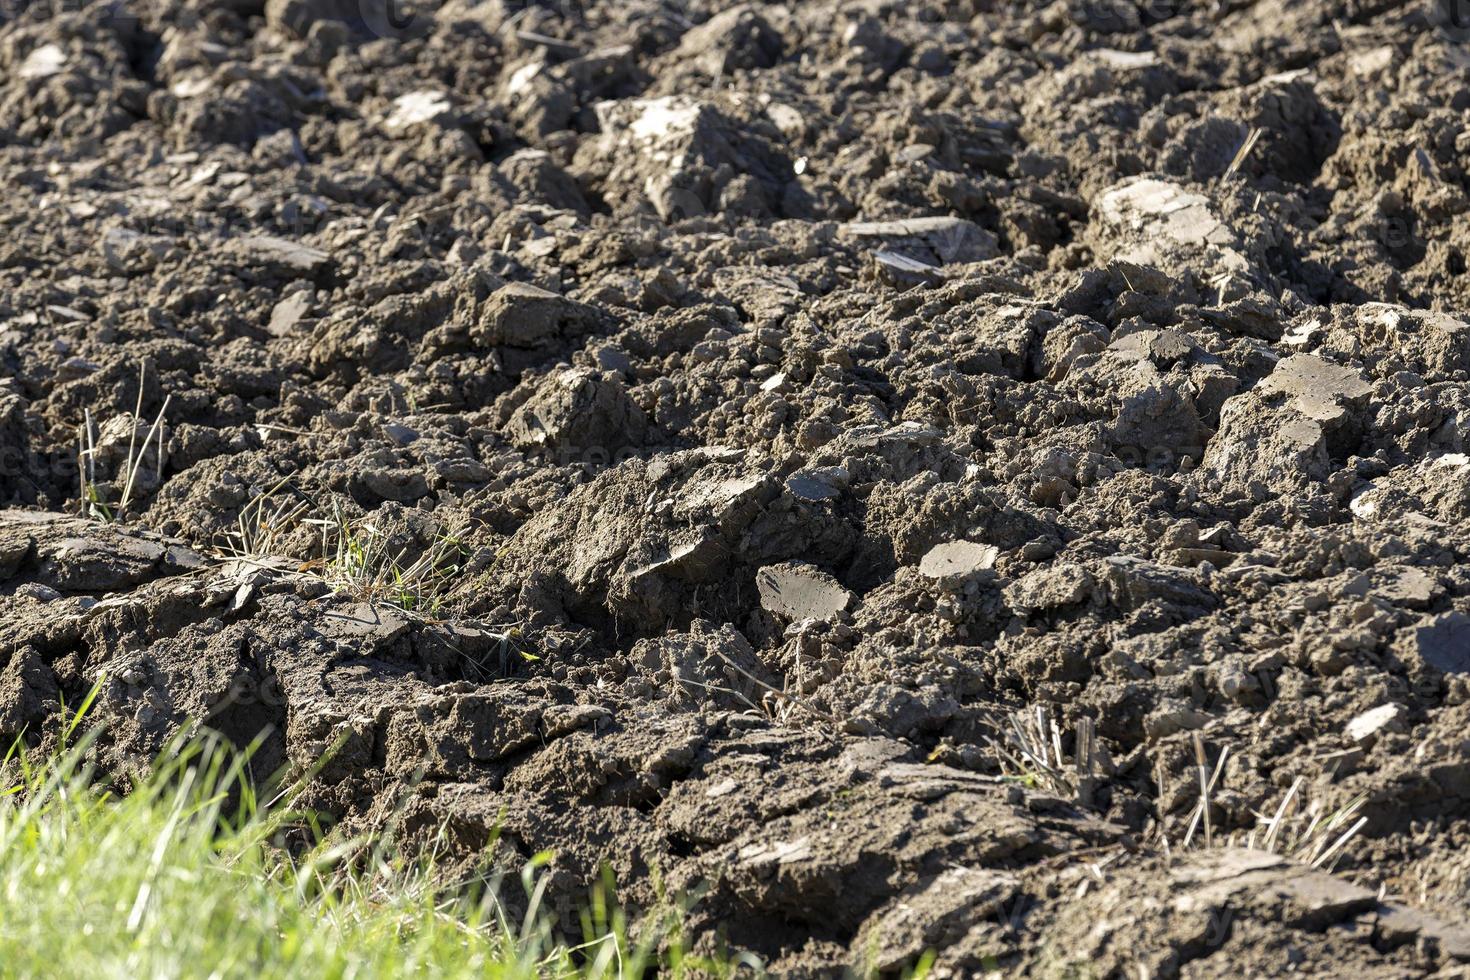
[781, 396]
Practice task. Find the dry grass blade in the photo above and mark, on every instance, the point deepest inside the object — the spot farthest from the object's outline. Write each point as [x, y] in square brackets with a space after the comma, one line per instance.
[83, 459]
[1273, 829]
[1242, 154]
[1324, 836]
[1336, 848]
[1031, 749]
[137, 414]
[1205, 783]
[784, 697]
[135, 461]
[91, 499]
[263, 524]
[1084, 763]
[1299, 829]
[355, 556]
[721, 689]
[358, 560]
[1201, 812]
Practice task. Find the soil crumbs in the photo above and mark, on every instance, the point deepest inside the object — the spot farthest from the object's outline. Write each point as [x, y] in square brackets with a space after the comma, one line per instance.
[868, 463]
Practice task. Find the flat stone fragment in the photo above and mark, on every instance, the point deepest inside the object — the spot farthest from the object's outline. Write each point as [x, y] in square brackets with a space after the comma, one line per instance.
[951, 239]
[902, 227]
[1186, 216]
[1410, 586]
[415, 108]
[816, 485]
[1271, 883]
[796, 591]
[1163, 347]
[278, 255]
[1125, 60]
[777, 852]
[957, 559]
[1318, 389]
[364, 622]
[1396, 921]
[45, 61]
[1370, 724]
[1444, 643]
[98, 564]
[896, 262]
[288, 313]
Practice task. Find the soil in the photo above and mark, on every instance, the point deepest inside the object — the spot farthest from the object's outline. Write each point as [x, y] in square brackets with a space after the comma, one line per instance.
[803, 387]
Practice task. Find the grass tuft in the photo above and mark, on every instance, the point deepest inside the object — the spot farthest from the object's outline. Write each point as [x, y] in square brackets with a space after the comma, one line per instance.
[359, 559]
[264, 525]
[95, 498]
[1302, 829]
[187, 874]
[356, 556]
[1030, 752]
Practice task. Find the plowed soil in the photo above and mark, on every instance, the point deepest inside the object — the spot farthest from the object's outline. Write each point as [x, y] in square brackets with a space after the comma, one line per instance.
[682, 435]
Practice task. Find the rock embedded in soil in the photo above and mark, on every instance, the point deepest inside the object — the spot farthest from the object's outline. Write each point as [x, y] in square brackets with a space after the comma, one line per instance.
[1443, 642]
[707, 666]
[796, 592]
[520, 315]
[297, 17]
[816, 485]
[958, 559]
[289, 312]
[273, 256]
[1384, 718]
[733, 40]
[416, 108]
[1329, 395]
[43, 62]
[670, 151]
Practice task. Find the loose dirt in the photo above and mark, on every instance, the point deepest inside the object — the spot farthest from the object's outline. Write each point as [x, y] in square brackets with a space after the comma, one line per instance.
[760, 403]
